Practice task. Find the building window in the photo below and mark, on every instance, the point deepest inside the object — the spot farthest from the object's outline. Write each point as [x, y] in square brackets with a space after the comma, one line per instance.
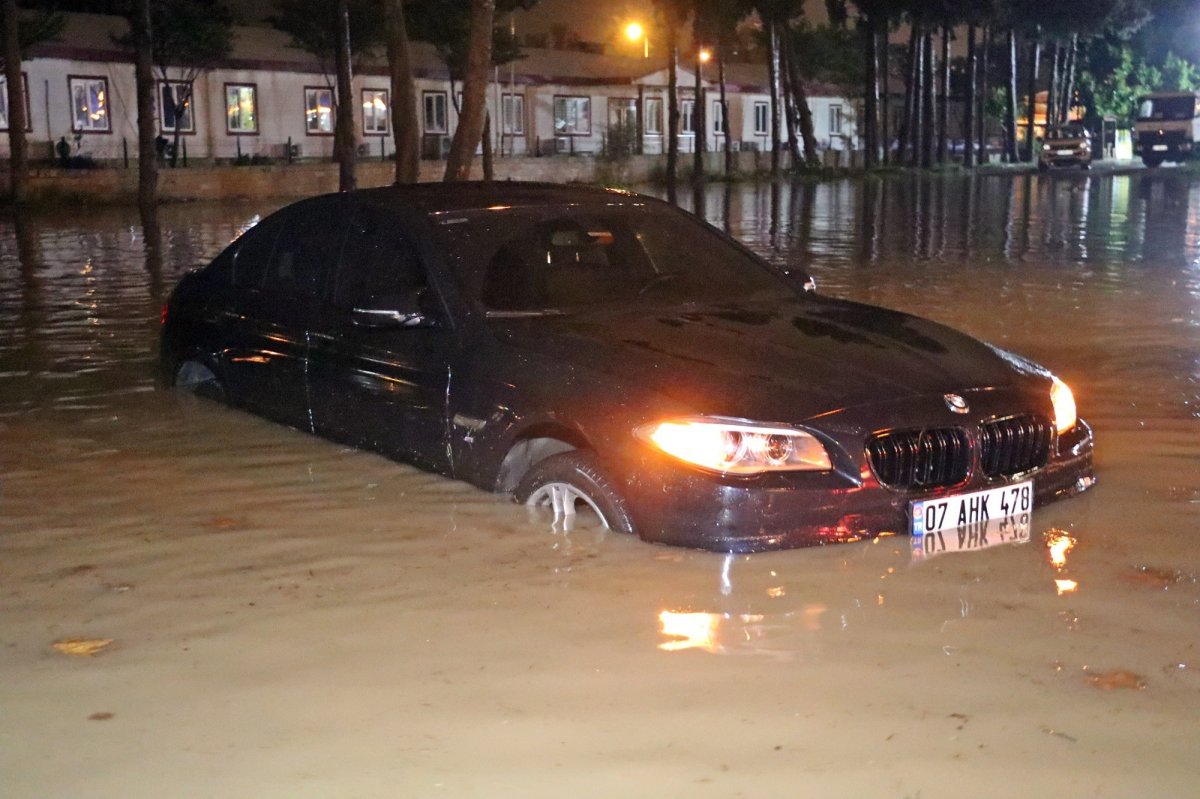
[241, 108]
[654, 107]
[514, 114]
[687, 117]
[89, 101]
[762, 118]
[175, 107]
[4, 102]
[718, 118]
[435, 112]
[376, 112]
[573, 116]
[318, 110]
[835, 119]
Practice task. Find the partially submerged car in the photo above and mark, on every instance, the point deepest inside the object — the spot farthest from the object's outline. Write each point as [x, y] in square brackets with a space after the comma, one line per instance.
[1066, 146]
[603, 352]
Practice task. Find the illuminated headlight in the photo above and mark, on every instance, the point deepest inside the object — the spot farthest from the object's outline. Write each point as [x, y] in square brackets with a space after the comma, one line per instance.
[1064, 406]
[731, 446]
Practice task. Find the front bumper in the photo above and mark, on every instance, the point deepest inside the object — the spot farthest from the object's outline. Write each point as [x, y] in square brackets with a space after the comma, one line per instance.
[683, 507]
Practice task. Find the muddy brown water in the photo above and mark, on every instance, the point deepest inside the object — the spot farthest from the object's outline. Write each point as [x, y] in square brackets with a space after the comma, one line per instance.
[272, 615]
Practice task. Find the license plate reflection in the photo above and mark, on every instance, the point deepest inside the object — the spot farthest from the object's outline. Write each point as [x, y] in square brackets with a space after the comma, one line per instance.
[973, 537]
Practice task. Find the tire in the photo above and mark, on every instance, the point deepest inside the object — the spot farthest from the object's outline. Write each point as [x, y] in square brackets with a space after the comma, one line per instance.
[574, 481]
[1152, 163]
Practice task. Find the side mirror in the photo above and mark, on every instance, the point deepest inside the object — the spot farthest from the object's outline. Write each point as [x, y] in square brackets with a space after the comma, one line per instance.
[800, 280]
[406, 309]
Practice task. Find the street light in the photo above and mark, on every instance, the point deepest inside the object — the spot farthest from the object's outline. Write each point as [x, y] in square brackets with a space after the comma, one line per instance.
[705, 55]
[633, 32]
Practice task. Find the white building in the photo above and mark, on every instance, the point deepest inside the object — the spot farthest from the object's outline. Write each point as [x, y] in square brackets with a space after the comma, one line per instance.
[269, 99]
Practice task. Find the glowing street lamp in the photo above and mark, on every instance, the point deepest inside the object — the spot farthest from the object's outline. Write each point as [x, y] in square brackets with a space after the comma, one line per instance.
[705, 55]
[633, 32]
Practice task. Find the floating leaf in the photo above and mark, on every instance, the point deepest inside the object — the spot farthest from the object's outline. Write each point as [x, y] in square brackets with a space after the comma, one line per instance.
[1116, 680]
[82, 647]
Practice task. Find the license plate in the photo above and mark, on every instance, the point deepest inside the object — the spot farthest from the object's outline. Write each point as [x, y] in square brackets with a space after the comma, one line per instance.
[973, 537]
[1159, 148]
[1064, 152]
[959, 510]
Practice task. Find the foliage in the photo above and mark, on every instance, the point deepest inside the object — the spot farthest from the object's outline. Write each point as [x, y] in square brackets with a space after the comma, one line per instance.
[191, 35]
[37, 27]
[1179, 75]
[1114, 79]
[829, 54]
[445, 24]
[312, 26]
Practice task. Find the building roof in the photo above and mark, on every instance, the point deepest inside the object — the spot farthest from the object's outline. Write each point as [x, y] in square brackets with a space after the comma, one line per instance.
[93, 37]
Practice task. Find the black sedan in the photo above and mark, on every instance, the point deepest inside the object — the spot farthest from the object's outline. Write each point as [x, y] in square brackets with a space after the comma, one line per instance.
[602, 352]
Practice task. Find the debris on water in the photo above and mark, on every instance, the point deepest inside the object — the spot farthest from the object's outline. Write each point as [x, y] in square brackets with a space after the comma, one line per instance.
[1059, 734]
[82, 647]
[223, 523]
[102, 716]
[1155, 577]
[1116, 680]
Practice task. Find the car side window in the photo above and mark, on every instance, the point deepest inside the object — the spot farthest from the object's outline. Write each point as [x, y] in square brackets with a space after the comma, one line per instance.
[254, 253]
[306, 250]
[378, 261]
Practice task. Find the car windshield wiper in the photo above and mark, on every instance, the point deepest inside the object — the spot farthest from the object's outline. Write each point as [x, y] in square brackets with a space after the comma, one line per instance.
[525, 314]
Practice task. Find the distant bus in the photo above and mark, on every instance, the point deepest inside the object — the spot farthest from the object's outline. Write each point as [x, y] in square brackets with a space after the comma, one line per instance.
[1167, 127]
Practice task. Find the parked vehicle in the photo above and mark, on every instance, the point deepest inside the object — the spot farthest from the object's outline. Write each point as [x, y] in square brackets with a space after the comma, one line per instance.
[1066, 146]
[603, 352]
[1167, 127]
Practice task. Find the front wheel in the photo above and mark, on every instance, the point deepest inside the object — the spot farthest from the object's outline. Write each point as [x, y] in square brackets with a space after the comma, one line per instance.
[1152, 163]
[573, 483]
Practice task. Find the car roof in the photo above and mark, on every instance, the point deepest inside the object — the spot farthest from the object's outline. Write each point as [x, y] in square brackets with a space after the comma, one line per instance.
[471, 195]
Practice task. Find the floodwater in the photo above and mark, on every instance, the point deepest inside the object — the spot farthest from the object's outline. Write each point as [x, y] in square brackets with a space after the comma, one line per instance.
[272, 615]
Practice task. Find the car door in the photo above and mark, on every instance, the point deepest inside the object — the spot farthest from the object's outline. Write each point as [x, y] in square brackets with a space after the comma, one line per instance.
[278, 291]
[381, 386]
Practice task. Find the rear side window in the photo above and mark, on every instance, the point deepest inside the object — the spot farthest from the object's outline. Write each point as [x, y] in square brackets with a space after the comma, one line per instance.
[254, 253]
[378, 261]
[306, 249]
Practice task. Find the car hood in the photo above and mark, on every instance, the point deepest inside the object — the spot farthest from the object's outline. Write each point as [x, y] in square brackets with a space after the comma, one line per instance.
[783, 361]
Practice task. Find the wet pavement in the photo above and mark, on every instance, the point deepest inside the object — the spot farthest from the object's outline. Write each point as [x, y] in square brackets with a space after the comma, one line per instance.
[195, 602]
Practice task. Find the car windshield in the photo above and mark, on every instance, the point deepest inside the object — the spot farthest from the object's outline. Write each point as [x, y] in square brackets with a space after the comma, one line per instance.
[555, 259]
[1168, 108]
[1069, 132]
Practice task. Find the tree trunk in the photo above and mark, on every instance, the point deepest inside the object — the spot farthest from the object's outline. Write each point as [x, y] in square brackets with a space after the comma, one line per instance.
[143, 69]
[18, 147]
[489, 166]
[908, 132]
[982, 99]
[773, 79]
[672, 110]
[725, 143]
[699, 143]
[808, 135]
[968, 128]
[475, 82]
[699, 121]
[885, 105]
[405, 126]
[1068, 93]
[871, 90]
[1035, 56]
[1010, 112]
[790, 106]
[1052, 87]
[943, 109]
[928, 142]
[347, 155]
